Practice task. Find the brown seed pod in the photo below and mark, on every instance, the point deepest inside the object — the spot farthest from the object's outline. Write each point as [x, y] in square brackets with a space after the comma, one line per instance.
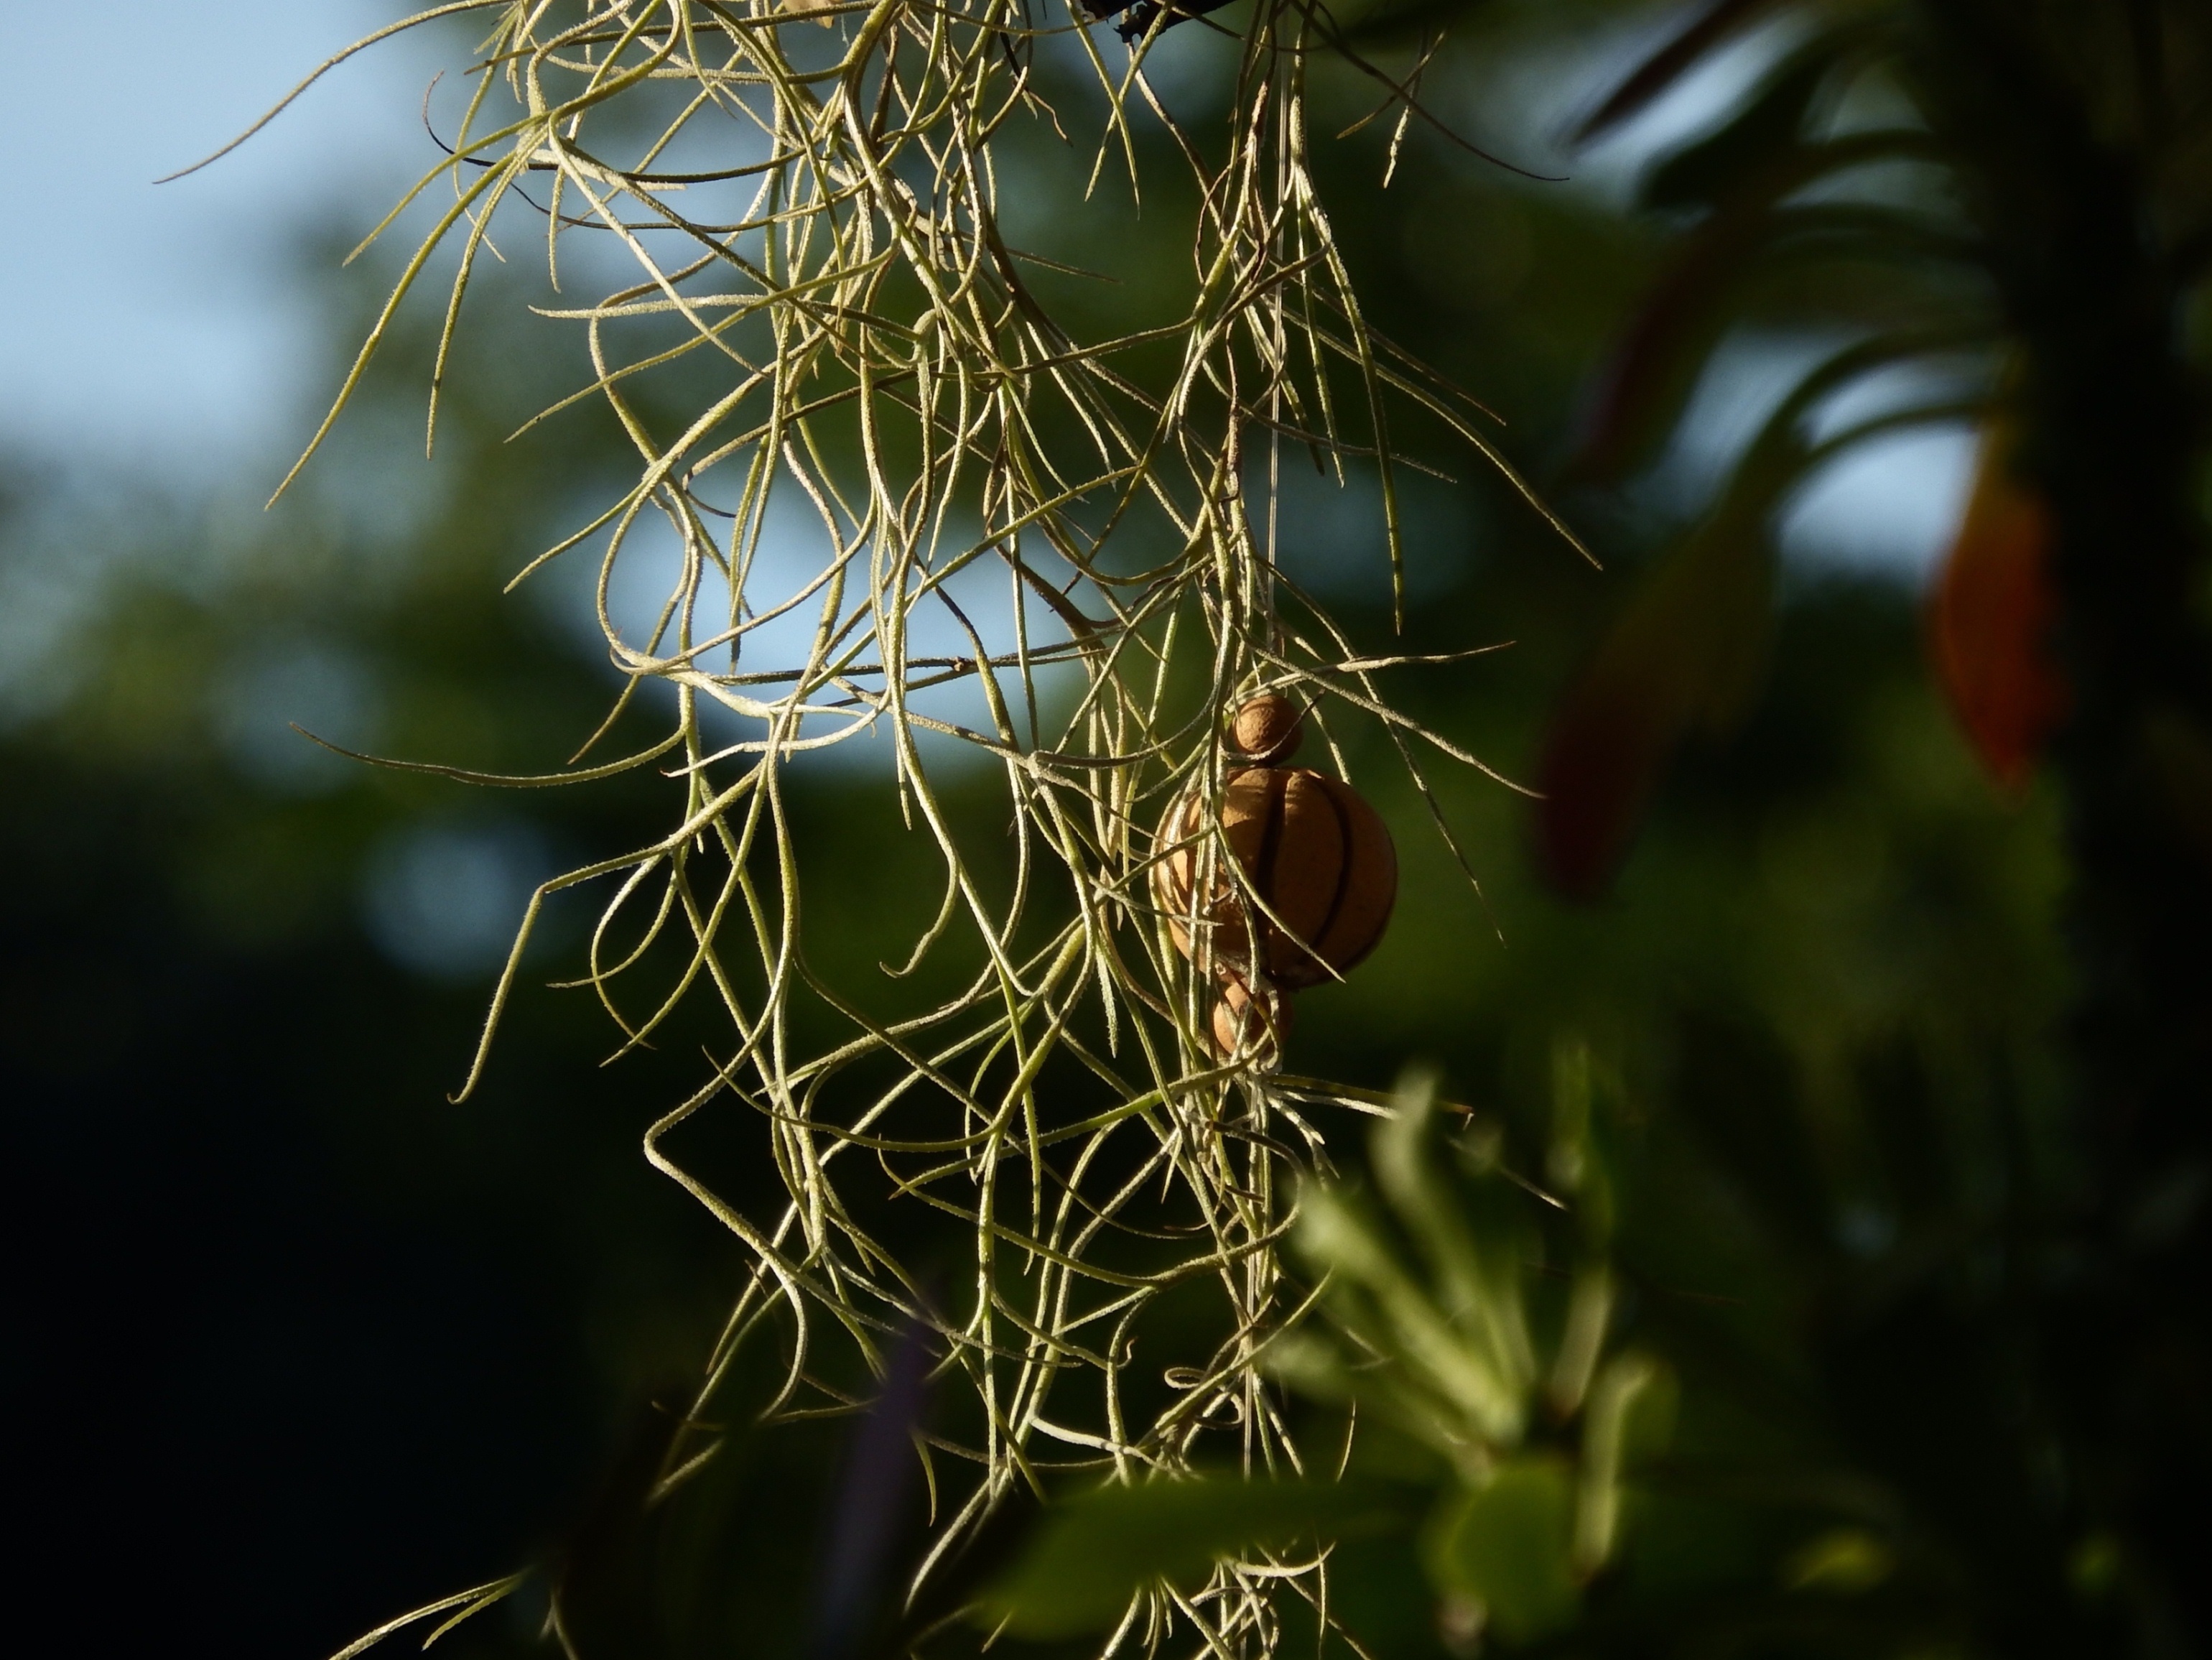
[1265, 729]
[1317, 858]
[1253, 1027]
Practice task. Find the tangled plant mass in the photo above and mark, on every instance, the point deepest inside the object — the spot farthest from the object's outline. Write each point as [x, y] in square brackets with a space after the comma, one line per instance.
[823, 297]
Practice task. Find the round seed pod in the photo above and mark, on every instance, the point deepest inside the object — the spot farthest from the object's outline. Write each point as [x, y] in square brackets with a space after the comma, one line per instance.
[1265, 729]
[1316, 858]
[1256, 1027]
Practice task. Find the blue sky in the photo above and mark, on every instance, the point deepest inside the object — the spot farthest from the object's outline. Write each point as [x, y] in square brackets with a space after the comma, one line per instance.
[161, 329]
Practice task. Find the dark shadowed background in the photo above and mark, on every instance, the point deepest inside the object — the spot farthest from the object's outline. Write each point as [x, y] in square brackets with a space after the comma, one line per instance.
[292, 1343]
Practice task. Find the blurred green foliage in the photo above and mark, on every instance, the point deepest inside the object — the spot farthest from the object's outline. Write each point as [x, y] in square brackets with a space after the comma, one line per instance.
[1798, 1093]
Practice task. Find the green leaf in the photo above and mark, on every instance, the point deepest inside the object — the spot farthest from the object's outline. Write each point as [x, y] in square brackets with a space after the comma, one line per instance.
[1669, 63]
[1482, 1286]
[1466, 1384]
[1505, 1547]
[1661, 352]
[1844, 1562]
[1094, 1553]
[1707, 172]
[1631, 1412]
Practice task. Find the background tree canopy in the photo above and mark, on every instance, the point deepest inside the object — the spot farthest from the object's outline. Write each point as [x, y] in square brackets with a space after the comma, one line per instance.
[1815, 1263]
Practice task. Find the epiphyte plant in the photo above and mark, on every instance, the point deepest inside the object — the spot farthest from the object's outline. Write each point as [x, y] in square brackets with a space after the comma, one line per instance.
[820, 324]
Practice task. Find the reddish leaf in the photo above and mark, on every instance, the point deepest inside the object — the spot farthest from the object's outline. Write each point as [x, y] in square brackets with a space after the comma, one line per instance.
[1687, 654]
[1651, 368]
[1603, 758]
[1690, 652]
[1990, 619]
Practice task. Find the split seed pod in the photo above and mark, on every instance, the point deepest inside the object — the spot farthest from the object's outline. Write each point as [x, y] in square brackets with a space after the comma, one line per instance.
[1317, 860]
[1246, 1025]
